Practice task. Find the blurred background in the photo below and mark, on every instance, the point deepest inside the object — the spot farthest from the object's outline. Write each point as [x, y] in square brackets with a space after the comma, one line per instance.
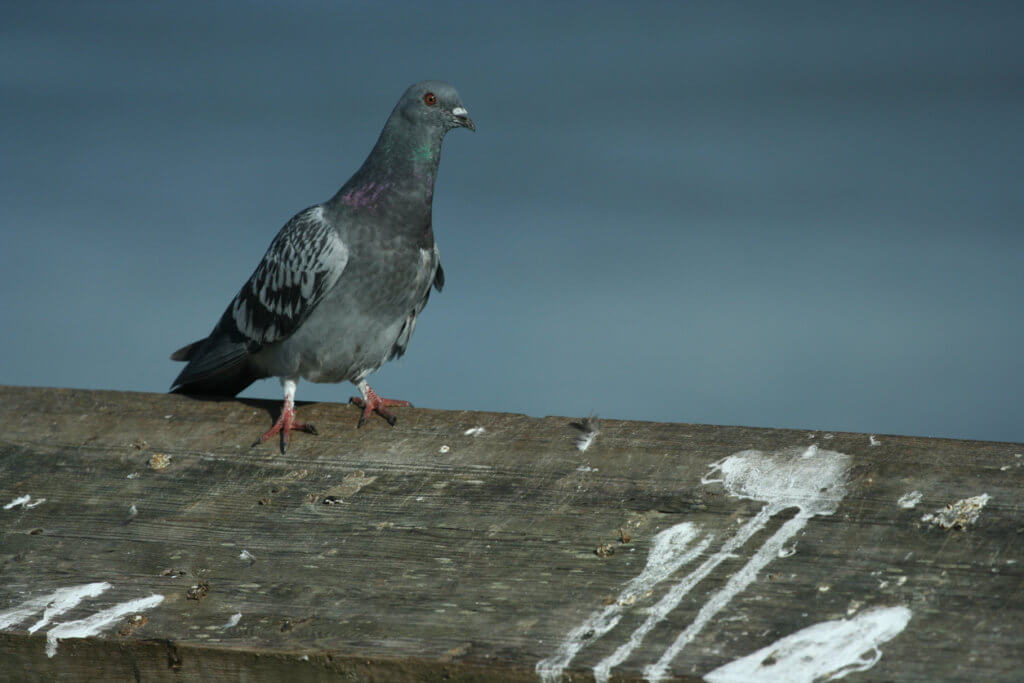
[776, 214]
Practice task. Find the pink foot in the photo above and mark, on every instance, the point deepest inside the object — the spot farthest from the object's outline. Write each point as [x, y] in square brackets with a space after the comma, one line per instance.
[372, 403]
[285, 424]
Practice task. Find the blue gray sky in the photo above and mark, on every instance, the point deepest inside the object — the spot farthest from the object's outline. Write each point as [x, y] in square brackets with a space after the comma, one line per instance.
[776, 214]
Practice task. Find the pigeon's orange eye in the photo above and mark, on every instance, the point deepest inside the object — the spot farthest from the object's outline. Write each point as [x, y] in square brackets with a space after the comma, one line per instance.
[430, 99]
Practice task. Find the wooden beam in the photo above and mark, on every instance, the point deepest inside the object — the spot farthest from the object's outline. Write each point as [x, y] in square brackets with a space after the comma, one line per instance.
[465, 545]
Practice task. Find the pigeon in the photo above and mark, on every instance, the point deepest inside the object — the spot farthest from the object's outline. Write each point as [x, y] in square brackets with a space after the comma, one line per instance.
[339, 289]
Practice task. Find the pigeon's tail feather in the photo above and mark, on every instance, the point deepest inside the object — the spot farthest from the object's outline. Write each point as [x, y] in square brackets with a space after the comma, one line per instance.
[227, 383]
[186, 352]
[217, 366]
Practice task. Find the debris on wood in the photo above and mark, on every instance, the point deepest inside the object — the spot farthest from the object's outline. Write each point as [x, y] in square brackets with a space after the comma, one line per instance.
[131, 624]
[958, 515]
[159, 461]
[198, 591]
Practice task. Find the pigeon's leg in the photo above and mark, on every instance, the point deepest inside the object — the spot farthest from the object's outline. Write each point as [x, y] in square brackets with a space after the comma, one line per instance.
[286, 423]
[371, 403]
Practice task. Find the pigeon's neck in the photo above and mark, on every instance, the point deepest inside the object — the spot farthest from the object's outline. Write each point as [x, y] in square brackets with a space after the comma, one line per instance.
[399, 174]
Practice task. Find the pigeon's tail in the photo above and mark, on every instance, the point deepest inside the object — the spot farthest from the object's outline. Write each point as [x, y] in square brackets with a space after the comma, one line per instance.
[217, 366]
[185, 353]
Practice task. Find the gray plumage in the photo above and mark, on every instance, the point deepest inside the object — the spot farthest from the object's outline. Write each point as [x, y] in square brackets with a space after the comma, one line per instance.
[339, 290]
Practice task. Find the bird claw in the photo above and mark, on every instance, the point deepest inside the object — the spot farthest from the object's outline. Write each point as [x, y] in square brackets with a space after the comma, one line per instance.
[375, 404]
[284, 425]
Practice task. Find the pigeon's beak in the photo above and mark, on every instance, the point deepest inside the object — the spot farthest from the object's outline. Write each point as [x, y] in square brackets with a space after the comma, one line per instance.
[462, 117]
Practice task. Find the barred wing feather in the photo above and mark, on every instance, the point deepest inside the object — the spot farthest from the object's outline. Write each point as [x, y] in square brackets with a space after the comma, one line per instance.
[302, 264]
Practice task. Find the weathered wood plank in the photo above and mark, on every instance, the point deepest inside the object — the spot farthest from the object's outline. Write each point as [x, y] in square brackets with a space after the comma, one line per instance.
[447, 555]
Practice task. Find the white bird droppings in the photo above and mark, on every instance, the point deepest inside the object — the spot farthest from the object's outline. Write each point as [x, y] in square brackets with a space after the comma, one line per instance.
[810, 479]
[20, 501]
[52, 605]
[910, 500]
[824, 651]
[670, 550]
[589, 427]
[66, 599]
[585, 441]
[97, 623]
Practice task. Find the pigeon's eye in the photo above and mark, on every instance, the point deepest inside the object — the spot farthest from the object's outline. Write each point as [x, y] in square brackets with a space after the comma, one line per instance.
[430, 99]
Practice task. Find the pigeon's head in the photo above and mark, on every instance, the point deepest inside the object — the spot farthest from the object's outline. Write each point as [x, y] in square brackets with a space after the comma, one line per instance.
[435, 104]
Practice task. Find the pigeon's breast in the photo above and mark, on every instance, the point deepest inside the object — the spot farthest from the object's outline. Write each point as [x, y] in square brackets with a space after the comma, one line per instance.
[353, 331]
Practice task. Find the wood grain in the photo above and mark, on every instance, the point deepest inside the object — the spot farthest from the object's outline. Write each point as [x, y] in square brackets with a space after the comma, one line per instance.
[380, 554]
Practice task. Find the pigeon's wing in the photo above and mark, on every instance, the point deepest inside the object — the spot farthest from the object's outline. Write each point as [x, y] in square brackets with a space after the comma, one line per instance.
[302, 264]
[409, 324]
